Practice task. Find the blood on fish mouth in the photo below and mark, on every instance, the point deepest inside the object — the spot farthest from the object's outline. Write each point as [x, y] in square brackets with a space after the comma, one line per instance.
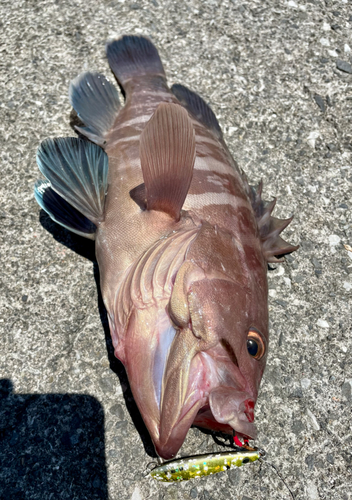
[249, 409]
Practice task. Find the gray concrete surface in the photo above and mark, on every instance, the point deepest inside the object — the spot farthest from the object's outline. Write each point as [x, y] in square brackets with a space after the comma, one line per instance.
[278, 75]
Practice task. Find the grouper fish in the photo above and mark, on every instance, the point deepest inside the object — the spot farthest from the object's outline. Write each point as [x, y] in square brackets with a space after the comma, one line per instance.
[182, 243]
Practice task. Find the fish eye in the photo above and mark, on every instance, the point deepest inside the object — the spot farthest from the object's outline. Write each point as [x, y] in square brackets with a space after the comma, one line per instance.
[255, 344]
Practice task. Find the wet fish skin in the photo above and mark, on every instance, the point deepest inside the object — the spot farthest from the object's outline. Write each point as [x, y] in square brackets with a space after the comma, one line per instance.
[182, 243]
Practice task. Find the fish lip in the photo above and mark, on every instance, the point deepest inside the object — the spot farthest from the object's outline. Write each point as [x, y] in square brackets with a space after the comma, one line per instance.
[235, 408]
[241, 422]
[233, 393]
[168, 448]
[245, 428]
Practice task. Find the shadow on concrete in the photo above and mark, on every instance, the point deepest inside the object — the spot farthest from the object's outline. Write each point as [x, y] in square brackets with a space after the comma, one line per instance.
[86, 248]
[51, 446]
[80, 245]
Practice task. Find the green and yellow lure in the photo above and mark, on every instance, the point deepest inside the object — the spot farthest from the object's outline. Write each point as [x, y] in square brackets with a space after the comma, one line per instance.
[182, 469]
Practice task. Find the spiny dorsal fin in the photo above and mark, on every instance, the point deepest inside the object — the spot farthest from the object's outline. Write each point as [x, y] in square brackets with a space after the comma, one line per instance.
[132, 56]
[272, 243]
[96, 102]
[197, 107]
[77, 170]
[269, 227]
[62, 212]
[167, 150]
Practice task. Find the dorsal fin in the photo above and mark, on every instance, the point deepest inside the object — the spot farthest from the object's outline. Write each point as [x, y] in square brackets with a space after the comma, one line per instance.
[62, 212]
[77, 171]
[167, 151]
[96, 102]
[197, 107]
[269, 227]
[133, 56]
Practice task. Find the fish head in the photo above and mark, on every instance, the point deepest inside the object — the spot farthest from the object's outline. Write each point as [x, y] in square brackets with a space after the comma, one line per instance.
[233, 345]
[197, 356]
[220, 295]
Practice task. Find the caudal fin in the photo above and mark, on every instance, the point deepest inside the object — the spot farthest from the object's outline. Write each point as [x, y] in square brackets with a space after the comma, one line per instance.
[133, 56]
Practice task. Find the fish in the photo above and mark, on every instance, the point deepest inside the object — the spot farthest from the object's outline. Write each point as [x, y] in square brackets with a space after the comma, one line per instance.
[182, 241]
[183, 469]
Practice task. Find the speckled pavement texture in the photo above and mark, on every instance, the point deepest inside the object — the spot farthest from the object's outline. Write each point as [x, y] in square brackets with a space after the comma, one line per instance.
[278, 75]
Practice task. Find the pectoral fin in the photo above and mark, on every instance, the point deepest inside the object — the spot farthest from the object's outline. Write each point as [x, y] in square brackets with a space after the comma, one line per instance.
[167, 151]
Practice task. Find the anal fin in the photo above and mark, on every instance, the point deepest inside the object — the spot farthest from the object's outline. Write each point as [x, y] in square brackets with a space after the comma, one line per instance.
[62, 212]
[167, 152]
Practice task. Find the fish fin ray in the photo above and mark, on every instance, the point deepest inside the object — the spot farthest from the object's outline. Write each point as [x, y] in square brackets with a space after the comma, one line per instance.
[269, 227]
[77, 171]
[274, 248]
[197, 107]
[90, 135]
[62, 212]
[96, 102]
[133, 56]
[167, 152]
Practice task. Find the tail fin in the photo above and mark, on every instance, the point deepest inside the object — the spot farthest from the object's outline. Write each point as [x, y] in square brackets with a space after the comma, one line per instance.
[133, 56]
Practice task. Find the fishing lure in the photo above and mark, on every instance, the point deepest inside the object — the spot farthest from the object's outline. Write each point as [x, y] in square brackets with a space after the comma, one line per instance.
[183, 469]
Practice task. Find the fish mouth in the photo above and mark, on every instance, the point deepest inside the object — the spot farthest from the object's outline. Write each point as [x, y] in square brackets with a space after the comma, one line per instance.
[215, 399]
[175, 387]
[237, 421]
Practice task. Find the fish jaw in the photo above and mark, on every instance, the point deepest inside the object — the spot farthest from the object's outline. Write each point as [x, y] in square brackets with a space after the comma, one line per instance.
[144, 352]
[174, 390]
[217, 397]
[234, 408]
[175, 385]
[210, 374]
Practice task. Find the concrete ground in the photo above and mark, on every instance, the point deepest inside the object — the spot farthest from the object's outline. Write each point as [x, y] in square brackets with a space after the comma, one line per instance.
[278, 76]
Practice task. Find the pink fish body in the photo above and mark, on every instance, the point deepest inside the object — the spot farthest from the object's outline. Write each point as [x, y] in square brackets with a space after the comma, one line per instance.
[182, 243]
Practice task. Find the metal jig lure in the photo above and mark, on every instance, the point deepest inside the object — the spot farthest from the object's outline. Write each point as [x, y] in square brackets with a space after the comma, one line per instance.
[182, 469]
